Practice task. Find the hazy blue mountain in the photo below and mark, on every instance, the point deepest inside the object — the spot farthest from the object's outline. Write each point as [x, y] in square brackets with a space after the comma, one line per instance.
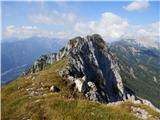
[140, 68]
[17, 56]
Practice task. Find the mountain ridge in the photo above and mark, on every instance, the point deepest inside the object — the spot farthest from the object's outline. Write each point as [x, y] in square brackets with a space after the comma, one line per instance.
[78, 50]
[139, 66]
[76, 44]
[59, 85]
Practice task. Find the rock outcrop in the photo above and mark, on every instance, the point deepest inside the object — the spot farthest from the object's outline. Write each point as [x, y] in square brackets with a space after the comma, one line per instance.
[54, 88]
[42, 62]
[91, 66]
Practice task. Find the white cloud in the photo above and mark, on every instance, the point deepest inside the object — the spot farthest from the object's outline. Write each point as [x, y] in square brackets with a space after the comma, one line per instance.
[113, 27]
[147, 35]
[41, 19]
[137, 5]
[30, 31]
[54, 18]
[110, 26]
[19, 32]
[151, 31]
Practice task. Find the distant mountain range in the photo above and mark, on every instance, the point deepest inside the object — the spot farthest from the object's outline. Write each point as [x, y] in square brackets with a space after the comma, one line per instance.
[18, 55]
[140, 68]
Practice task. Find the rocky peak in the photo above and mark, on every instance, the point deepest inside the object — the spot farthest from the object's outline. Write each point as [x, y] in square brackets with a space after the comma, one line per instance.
[91, 58]
[91, 66]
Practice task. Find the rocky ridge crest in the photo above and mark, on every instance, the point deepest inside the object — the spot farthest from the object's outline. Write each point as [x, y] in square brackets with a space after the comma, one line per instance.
[91, 66]
[94, 70]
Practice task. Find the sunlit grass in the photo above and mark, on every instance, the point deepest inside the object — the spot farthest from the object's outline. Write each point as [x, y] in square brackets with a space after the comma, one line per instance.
[64, 105]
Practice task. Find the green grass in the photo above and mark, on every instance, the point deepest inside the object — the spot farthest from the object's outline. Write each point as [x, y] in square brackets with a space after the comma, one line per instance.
[127, 105]
[68, 104]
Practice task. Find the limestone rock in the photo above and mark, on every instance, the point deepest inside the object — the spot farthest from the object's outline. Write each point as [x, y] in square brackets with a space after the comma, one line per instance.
[54, 88]
[140, 113]
[91, 66]
[91, 60]
[80, 85]
[92, 86]
[148, 103]
[42, 62]
[93, 95]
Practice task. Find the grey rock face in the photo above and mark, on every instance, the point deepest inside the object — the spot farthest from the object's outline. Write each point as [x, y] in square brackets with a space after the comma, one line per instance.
[42, 62]
[91, 58]
[92, 93]
[91, 67]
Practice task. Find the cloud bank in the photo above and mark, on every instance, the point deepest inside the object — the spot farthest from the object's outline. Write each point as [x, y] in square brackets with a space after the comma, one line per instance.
[24, 32]
[137, 5]
[54, 18]
[110, 26]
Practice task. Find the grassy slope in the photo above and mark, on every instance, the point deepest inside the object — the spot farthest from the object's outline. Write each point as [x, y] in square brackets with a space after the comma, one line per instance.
[68, 104]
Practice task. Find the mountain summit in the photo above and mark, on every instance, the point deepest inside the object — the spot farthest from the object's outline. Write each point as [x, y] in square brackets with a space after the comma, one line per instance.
[58, 85]
[91, 66]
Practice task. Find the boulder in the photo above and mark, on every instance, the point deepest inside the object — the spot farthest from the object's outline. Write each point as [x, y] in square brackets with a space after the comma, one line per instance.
[140, 113]
[54, 88]
[79, 84]
[131, 97]
[92, 86]
[93, 95]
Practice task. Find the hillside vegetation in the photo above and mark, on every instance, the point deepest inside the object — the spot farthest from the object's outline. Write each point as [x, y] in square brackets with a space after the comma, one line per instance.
[29, 98]
[140, 69]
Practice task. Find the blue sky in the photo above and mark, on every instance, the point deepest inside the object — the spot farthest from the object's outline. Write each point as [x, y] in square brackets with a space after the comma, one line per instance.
[13, 11]
[57, 19]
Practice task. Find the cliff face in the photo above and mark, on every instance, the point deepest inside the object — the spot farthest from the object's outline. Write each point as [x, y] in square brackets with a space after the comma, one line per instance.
[91, 66]
[91, 60]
